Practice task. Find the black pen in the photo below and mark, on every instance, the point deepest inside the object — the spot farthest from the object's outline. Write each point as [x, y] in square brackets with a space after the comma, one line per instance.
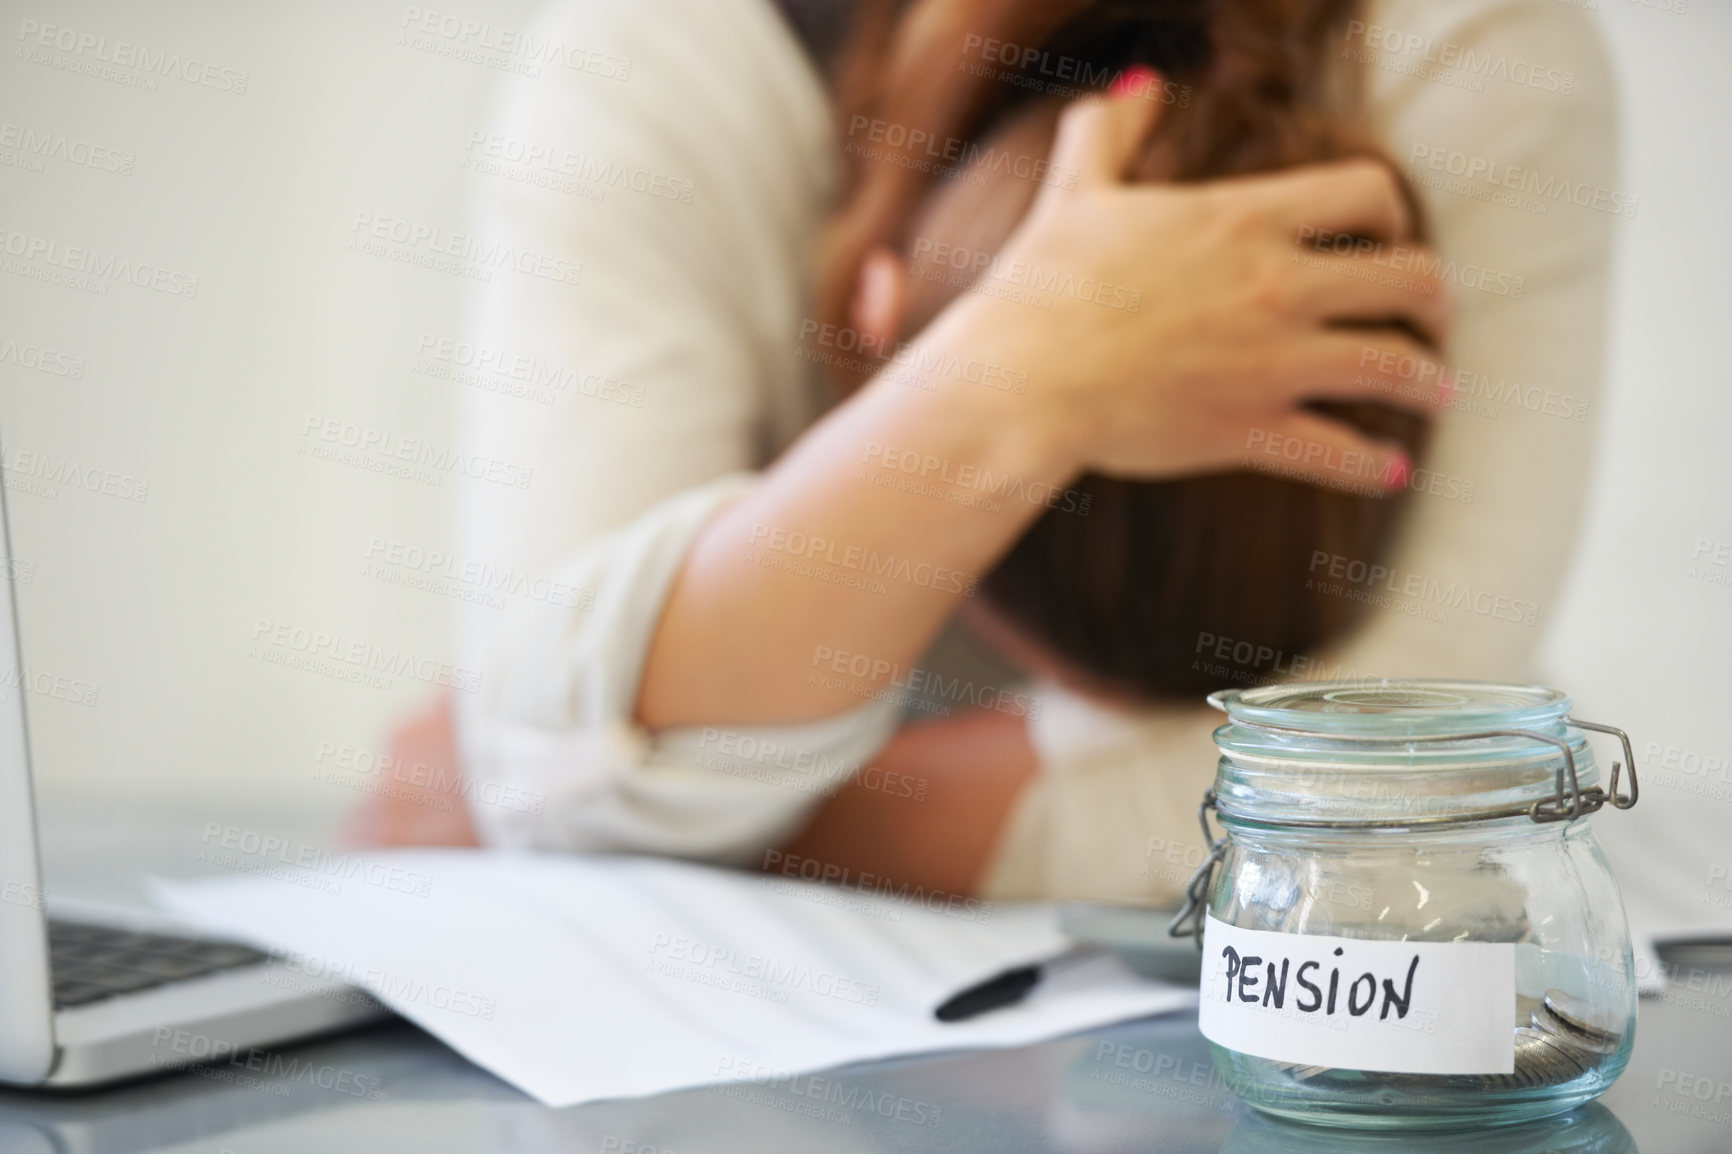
[1007, 988]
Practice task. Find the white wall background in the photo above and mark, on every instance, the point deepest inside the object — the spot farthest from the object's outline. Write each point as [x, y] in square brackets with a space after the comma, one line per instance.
[154, 603]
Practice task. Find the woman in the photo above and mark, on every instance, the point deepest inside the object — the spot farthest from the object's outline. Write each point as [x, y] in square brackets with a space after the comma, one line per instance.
[722, 600]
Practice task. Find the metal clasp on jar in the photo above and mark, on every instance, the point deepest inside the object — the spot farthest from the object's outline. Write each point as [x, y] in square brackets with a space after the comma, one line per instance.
[1571, 802]
[1189, 919]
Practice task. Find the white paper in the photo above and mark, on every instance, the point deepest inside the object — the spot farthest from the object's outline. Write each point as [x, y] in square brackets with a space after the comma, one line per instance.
[1458, 1016]
[579, 978]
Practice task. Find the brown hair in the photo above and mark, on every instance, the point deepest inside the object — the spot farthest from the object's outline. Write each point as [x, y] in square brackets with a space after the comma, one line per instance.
[1129, 592]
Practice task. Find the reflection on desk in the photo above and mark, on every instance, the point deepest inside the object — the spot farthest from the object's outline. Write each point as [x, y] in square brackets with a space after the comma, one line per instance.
[1593, 1129]
[1136, 1087]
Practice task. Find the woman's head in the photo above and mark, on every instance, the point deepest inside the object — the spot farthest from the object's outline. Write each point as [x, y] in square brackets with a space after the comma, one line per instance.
[1130, 593]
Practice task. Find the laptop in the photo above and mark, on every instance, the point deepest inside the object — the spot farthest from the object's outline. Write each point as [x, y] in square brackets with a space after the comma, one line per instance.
[83, 1002]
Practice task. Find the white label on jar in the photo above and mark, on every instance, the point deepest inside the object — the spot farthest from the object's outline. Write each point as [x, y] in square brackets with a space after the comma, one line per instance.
[1400, 1007]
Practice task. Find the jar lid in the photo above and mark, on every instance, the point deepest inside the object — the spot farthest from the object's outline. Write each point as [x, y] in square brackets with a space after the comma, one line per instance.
[1402, 752]
[1395, 709]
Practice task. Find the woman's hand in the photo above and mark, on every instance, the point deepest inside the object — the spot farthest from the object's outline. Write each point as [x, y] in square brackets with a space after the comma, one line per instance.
[958, 779]
[417, 798]
[1245, 308]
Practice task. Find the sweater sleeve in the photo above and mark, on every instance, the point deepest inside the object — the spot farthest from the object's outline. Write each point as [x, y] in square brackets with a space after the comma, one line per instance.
[677, 157]
[1501, 115]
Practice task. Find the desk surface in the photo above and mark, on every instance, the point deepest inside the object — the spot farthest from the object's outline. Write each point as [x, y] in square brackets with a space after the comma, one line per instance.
[1141, 1086]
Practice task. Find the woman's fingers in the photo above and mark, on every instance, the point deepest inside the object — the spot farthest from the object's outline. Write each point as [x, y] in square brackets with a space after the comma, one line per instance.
[1360, 288]
[1371, 365]
[1318, 451]
[1358, 198]
[880, 296]
[1098, 139]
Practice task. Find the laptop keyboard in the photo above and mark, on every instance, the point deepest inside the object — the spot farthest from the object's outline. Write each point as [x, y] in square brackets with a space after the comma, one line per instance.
[89, 963]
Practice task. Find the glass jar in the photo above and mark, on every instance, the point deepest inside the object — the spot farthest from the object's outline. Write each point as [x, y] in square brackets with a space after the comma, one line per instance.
[1407, 921]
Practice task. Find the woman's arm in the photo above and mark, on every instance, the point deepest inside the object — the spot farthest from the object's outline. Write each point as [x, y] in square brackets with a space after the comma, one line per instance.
[929, 809]
[631, 401]
[1232, 335]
